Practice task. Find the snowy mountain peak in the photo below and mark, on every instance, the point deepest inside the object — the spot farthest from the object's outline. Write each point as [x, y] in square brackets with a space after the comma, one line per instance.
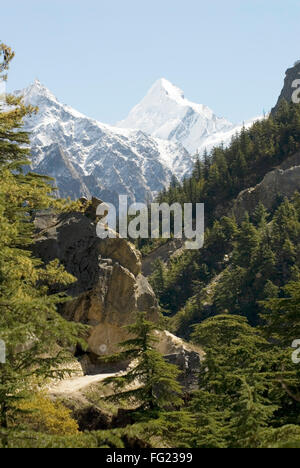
[89, 158]
[36, 93]
[164, 86]
[165, 113]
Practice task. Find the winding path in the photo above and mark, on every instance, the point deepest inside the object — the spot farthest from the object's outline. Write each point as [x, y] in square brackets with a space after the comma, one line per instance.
[73, 385]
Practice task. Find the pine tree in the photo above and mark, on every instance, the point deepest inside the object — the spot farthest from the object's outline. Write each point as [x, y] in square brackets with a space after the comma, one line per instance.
[157, 278]
[33, 331]
[8, 55]
[206, 162]
[270, 290]
[282, 315]
[260, 216]
[155, 380]
[251, 414]
[198, 171]
[211, 417]
[234, 381]
[247, 240]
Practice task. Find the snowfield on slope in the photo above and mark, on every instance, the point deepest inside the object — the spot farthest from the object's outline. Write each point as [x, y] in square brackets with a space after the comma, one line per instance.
[166, 113]
[86, 157]
[137, 158]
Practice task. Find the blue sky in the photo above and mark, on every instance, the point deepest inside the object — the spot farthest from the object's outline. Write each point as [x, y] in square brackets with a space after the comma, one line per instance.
[102, 56]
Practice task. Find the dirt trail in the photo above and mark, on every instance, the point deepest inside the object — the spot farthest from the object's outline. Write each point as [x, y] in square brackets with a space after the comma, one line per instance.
[73, 385]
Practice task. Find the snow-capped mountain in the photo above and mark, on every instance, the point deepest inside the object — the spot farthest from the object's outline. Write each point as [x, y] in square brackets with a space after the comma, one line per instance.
[137, 158]
[165, 113]
[88, 158]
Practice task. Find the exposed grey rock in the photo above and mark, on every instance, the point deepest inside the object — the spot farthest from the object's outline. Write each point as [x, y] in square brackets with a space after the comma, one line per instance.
[109, 291]
[89, 416]
[189, 363]
[280, 183]
[187, 357]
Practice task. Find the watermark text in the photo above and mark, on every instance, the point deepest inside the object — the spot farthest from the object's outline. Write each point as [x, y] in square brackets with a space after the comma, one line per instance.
[139, 221]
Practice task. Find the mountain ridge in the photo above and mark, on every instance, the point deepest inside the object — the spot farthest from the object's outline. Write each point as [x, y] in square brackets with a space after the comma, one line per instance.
[120, 161]
[90, 158]
[165, 113]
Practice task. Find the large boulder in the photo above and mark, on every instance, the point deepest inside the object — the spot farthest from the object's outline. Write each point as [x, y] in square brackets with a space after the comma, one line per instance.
[110, 288]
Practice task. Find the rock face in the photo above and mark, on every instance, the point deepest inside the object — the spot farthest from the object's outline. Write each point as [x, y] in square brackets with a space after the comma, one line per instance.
[282, 182]
[187, 357]
[291, 88]
[110, 288]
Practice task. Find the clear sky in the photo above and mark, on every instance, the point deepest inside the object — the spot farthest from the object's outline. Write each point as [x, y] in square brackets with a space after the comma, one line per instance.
[102, 56]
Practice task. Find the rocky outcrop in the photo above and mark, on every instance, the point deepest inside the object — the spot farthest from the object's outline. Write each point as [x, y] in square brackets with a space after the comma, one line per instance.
[187, 357]
[291, 88]
[110, 288]
[282, 182]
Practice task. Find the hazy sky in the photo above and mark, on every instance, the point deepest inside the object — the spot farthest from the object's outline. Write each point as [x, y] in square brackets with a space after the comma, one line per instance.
[102, 56]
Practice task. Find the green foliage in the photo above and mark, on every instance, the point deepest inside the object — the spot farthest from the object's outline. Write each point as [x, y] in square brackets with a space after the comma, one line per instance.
[238, 297]
[115, 439]
[233, 405]
[282, 437]
[6, 56]
[237, 269]
[151, 382]
[241, 290]
[30, 325]
[174, 429]
[282, 315]
[169, 430]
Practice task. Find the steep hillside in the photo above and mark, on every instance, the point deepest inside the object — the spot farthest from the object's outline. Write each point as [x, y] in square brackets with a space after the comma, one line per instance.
[252, 240]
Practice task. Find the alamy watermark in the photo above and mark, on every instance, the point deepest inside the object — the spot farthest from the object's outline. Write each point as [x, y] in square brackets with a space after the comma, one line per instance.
[296, 354]
[296, 93]
[141, 221]
[2, 352]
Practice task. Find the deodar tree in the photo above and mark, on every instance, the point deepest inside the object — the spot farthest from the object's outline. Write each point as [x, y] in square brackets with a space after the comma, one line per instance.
[33, 331]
